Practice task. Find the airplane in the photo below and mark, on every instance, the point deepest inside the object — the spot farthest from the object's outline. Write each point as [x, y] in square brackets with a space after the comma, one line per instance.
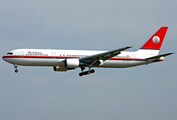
[63, 60]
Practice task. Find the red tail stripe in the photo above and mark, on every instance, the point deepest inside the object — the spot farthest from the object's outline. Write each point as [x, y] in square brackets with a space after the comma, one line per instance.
[150, 44]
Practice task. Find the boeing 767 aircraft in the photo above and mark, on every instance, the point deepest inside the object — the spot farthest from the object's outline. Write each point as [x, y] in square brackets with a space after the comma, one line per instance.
[63, 60]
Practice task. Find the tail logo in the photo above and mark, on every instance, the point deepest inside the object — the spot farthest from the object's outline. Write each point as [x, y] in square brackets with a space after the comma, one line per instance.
[156, 39]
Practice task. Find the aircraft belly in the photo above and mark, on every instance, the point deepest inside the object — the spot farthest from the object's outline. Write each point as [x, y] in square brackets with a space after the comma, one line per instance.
[57, 62]
[121, 63]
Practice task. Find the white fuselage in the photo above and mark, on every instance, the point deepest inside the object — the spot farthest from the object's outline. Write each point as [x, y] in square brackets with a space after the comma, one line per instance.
[53, 57]
[63, 60]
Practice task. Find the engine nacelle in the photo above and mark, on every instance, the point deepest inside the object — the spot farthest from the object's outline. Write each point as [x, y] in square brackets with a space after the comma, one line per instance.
[72, 63]
[59, 68]
[69, 64]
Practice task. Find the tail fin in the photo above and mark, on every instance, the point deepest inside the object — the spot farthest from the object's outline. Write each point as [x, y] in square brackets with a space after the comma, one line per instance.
[155, 42]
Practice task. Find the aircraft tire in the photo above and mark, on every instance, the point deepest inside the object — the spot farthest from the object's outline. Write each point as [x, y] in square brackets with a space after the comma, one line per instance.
[81, 74]
[92, 71]
[85, 73]
[16, 71]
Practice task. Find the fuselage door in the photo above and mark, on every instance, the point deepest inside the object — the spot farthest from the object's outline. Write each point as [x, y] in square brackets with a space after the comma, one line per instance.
[21, 54]
[133, 57]
[53, 54]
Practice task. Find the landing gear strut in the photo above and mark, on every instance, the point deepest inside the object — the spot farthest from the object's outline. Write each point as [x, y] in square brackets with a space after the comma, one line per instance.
[86, 72]
[16, 70]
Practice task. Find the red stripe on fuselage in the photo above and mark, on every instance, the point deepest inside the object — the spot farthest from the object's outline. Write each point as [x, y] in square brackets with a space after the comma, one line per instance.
[24, 56]
[68, 57]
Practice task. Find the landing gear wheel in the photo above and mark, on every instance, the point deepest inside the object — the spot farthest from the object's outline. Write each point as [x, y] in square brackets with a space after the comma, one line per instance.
[92, 71]
[87, 72]
[16, 71]
[15, 66]
[81, 74]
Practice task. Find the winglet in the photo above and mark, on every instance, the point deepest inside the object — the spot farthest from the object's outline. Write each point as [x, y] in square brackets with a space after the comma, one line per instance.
[156, 40]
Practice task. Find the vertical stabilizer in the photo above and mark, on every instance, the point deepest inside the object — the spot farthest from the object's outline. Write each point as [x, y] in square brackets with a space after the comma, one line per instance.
[155, 42]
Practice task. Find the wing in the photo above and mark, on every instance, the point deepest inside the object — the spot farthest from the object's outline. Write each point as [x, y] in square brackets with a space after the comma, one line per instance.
[158, 57]
[95, 59]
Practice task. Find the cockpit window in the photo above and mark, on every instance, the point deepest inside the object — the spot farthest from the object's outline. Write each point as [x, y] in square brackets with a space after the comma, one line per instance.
[9, 53]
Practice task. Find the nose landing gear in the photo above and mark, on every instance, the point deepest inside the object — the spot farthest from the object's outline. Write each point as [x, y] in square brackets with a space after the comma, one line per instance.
[16, 70]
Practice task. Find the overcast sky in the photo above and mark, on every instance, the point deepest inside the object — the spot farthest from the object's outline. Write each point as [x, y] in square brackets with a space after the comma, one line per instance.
[39, 93]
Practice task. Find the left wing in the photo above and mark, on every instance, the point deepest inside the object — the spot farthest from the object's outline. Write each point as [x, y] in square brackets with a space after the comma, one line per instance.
[95, 59]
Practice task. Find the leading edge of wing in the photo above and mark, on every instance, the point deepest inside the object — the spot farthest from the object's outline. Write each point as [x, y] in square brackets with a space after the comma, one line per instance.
[105, 55]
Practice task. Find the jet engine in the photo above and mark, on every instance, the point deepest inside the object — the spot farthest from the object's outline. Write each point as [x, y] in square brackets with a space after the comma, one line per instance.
[59, 68]
[69, 64]
[72, 63]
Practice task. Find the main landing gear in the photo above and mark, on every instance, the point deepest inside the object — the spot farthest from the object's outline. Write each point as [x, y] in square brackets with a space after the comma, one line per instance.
[16, 70]
[86, 72]
[96, 62]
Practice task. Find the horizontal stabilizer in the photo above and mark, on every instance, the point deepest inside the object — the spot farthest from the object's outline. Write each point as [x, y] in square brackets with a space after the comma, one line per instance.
[158, 57]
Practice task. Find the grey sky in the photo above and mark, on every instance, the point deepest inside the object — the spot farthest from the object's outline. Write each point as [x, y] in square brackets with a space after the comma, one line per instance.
[140, 93]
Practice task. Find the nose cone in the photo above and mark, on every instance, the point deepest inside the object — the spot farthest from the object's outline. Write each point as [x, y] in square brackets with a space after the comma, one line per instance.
[4, 58]
[8, 57]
